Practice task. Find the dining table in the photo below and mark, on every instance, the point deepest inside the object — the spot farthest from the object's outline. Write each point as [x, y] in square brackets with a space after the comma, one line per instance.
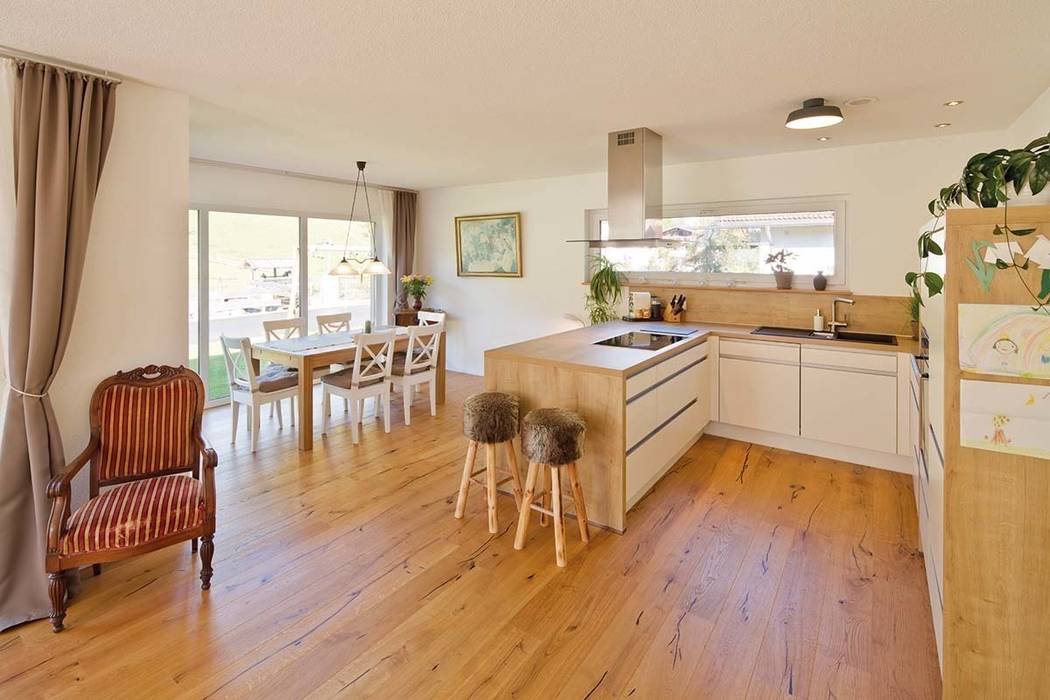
[309, 352]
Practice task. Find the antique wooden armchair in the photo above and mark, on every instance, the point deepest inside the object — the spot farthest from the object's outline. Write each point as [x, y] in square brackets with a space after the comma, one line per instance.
[145, 431]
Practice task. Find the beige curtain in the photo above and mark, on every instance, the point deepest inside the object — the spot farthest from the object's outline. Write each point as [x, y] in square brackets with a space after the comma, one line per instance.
[62, 127]
[404, 239]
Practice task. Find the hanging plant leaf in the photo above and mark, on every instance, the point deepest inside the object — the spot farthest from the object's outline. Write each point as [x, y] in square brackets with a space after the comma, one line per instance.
[1044, 290]
[1022, 231]
[1040, 174]
[934, 283]
[997, 231]
[1001, 264]
[935, 247]
[911, 277]
[1038, 143]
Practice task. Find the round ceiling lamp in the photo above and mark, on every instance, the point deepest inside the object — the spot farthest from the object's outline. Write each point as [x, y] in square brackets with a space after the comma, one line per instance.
[814, 114]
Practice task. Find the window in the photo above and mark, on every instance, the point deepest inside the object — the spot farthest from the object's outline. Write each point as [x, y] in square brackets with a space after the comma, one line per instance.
[246, 267]
[729, 243]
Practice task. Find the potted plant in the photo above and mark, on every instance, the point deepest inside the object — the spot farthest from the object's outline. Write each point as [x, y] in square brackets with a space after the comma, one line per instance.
[416, 287]
[914, 309]
[605, 290]
[783, 273]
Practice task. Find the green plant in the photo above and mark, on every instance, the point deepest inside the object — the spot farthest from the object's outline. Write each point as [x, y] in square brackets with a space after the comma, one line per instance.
[416, 285]
[605, 290]
[779, 259]
[914, 307]
[986, 180]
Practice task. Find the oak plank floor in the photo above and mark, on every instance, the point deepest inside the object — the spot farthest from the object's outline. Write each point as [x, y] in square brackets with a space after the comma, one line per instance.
[747, 572]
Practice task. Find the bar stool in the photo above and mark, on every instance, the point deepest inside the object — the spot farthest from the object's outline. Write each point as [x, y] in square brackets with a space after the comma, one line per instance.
[489, 419]
[552, 437]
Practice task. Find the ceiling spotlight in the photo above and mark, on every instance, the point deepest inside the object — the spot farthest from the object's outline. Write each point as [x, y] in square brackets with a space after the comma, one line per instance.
[942, 125]
[823, 138]
[814, 115]
[953, 103]
[861, 101]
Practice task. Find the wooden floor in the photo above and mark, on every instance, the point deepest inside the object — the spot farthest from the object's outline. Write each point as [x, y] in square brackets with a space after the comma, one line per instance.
[747, 573]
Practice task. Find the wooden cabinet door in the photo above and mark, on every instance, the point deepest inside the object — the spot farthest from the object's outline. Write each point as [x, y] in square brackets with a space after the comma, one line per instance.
[759, 394]
[850, 408]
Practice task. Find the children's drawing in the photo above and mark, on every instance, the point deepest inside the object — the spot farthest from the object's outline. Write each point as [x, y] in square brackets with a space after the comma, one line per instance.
[1003, 251]
[1039, 253]
[1010, 418]
[1004, 339]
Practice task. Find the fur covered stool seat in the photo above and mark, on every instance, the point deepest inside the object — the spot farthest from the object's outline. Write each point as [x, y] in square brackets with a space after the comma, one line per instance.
[552, 438]
[490, 419]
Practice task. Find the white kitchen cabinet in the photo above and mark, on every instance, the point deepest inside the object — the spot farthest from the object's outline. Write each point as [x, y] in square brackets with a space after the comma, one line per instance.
[759, 393]
[849, 407]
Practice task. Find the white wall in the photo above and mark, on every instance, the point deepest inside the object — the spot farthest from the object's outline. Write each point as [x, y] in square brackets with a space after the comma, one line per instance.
[886, 187]
[132, 306]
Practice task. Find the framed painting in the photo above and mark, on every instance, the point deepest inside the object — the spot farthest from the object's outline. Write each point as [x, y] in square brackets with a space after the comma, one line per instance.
[488, 245]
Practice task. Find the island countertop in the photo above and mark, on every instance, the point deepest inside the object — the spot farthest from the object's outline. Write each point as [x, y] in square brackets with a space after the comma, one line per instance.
[576, 348]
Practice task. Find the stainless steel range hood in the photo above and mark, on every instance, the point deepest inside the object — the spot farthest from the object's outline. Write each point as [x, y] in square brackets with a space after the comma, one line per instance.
[635, 189]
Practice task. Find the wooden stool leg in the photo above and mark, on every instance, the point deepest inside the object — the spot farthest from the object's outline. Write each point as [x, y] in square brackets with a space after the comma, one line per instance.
[581, 507]
[464, 481]
[545, 495]
[526, 506]
[559, 516]
[515, 475]
[490, 486]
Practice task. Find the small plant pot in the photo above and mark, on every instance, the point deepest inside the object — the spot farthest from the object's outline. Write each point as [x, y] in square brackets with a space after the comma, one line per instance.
[784, 278]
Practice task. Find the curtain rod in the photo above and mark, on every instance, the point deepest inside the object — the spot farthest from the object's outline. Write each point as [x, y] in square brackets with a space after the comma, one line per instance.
[8, 52]
[293, 173]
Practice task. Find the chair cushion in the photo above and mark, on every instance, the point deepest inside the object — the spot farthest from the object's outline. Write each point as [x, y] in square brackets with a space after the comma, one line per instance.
[343, 379]
[400, 359]
[275, 378]
[145, 429]
[490, 417]
[135, 513]
[553, 436]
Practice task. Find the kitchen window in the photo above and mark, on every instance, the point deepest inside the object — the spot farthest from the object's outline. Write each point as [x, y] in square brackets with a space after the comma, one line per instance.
[727, 243]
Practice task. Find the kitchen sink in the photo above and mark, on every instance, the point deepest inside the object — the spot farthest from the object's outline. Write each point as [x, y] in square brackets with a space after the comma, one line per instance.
[851, 336]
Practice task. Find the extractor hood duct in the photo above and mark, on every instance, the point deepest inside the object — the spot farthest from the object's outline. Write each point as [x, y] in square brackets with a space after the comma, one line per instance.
[635, 189]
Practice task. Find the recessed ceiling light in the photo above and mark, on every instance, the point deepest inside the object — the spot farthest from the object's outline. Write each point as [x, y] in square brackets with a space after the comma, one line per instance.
[953, 103]
[942, 125]
[814, 115]
[861, 101]
[823, 138]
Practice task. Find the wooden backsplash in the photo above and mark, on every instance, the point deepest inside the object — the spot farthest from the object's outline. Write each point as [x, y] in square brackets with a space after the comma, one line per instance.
[792, 307]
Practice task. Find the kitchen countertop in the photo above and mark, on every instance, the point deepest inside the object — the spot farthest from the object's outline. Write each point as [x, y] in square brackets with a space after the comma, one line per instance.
[576, 348]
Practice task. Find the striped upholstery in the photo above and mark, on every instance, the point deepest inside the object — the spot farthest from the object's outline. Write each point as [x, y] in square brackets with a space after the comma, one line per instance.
[135, 513]
[145, 429]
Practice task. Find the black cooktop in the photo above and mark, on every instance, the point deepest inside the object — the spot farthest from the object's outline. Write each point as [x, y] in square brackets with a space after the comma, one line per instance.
[645, 339]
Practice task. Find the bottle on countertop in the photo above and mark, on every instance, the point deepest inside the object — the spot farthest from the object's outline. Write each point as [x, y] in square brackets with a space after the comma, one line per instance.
[818, 321]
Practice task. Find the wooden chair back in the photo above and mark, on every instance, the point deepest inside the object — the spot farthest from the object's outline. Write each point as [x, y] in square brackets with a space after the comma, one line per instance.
[374, 358]
[423, 345]
[333, 323]
[239, 368]
[146, 421]
[429, 318]
[283, 328]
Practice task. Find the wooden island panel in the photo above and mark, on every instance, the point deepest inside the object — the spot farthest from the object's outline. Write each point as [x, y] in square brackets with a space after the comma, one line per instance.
[599, 399]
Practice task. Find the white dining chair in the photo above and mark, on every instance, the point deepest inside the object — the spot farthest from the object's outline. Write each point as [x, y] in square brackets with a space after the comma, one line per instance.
[255, 390]
[429, 318]
[283, 329]
[335, 323]
[418, 365]
[368, 377]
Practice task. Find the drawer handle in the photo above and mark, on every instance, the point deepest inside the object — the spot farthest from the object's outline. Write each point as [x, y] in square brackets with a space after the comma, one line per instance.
[789, 363]
[858, 370]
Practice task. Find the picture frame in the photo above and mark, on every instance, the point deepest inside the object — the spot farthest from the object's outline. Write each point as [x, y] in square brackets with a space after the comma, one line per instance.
[489, 245]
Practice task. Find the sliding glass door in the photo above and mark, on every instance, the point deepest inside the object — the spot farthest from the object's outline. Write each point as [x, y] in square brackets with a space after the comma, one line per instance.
[249, 267]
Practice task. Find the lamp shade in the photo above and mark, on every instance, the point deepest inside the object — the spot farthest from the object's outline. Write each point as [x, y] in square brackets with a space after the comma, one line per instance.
[814, 114]
[345, 268]
[375, 266]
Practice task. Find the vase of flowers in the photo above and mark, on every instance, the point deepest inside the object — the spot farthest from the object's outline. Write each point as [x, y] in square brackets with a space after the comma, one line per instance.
[783, 273]
[416, 287]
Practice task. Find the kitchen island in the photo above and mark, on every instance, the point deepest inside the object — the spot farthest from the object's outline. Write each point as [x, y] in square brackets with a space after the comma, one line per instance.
[644, 408]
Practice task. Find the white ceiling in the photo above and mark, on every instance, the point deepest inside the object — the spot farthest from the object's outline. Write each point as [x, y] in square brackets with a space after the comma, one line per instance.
[445, 92]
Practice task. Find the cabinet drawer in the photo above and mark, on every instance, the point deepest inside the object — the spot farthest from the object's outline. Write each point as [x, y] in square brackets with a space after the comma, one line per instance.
[759, 350]
[850, 408]
[651, 376]
[759, 394]
[656, 404]
[850, 359]
[652, 458]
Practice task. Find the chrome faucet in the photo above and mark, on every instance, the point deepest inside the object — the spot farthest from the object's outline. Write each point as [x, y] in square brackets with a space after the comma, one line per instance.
[834, 325]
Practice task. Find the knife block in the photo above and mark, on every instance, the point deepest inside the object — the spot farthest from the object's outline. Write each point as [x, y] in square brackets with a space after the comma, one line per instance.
[672, 317]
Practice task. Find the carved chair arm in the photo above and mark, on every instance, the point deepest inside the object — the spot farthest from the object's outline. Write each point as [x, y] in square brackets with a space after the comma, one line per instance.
[209, 460]
[58, 492]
